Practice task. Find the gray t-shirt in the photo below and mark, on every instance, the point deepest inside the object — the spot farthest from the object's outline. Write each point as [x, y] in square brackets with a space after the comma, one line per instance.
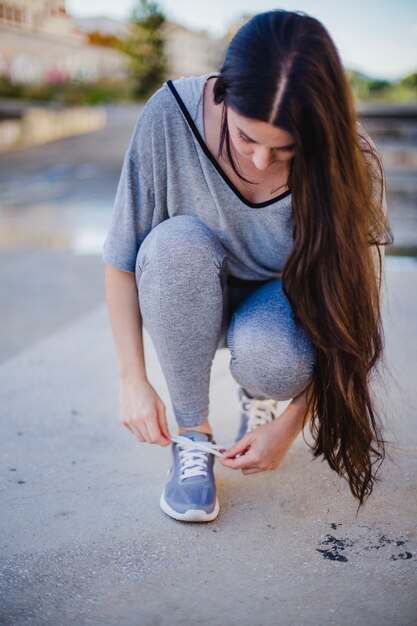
[168, 170]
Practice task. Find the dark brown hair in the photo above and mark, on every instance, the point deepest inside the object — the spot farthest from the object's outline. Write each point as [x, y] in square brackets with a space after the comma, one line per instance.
[283, 68]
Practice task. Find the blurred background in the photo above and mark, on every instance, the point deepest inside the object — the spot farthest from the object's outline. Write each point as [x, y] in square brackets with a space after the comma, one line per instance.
[74, 76]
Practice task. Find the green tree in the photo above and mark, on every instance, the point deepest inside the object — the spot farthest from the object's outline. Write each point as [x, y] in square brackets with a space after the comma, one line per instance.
[144, 46]
[358, 83]
[377, 86]
[410, 81]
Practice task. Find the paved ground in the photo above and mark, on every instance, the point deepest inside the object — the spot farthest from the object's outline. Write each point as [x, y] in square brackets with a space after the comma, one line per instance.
[43, 290]
[84, 542]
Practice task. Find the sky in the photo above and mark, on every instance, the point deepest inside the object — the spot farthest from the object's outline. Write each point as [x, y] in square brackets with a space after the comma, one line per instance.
[378, 37]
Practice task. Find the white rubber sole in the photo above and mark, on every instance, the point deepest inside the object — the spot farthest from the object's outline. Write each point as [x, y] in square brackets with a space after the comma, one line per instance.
[192, 515]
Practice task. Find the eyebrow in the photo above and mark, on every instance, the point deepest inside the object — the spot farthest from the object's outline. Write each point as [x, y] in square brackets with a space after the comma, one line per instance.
[290, 145]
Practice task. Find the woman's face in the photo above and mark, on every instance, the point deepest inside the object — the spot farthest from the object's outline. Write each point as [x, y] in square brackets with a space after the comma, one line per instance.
[260, 142]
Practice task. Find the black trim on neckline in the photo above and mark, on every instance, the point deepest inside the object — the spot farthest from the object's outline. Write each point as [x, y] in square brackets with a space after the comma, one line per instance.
[203, 145]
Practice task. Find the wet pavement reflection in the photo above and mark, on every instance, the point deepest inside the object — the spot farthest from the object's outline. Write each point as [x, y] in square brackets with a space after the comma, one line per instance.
[78, 227]
[55, 205]
[59, 196]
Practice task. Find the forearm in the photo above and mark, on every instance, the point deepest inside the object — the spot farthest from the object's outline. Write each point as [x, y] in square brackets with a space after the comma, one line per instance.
[294, 414]
[126, 322]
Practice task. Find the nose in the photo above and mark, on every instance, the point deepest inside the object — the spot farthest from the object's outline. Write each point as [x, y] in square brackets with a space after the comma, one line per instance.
[262, 158]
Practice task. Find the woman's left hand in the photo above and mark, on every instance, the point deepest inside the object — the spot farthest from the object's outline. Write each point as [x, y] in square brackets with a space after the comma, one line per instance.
[263, 448]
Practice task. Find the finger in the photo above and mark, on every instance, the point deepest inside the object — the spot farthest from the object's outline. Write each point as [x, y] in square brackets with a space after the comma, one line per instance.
[130, 425]
[126, 425]
[145, 432]
[139, 436]
[246, 460]
[124, 421]
[155, 433]
[140, 432]
[163, 425]
[163, 441]
[251, 470]
[238, 448]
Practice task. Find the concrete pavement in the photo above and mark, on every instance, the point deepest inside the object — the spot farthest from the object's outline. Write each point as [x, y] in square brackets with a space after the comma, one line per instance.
[42, 290]
[84, 541]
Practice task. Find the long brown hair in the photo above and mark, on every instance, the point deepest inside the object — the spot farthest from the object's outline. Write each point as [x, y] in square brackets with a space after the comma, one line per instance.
[283, 68]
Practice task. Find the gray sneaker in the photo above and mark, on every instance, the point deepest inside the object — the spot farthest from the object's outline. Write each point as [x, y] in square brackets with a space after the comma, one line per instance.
[255, 412]
[190, 491]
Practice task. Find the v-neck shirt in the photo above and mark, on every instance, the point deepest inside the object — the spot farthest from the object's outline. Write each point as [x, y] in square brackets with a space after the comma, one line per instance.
[197, 127]
[168, 170]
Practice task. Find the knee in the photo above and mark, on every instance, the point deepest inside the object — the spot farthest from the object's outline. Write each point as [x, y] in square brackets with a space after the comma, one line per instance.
[277, 366]
[182, 241]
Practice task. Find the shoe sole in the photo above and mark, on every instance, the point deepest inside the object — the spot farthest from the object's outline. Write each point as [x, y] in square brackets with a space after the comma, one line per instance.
[191, 515]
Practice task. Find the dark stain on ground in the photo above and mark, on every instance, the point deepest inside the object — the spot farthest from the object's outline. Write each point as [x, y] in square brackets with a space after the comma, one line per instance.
[332, 555]
[403, 556]
[382, 541]
[333, 547]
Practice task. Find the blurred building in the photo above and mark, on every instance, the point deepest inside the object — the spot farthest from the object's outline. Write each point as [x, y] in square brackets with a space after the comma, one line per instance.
[40, 42]
[41, 16]
[191, 52]
[236, 24]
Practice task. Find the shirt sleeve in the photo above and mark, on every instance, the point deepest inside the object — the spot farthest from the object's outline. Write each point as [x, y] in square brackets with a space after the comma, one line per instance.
[131, 218]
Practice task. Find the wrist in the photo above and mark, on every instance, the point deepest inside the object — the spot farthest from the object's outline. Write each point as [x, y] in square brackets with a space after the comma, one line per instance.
[292, 420]
[132, 379]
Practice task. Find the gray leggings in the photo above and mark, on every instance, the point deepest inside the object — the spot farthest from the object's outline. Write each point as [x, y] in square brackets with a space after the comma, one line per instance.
[190, 311]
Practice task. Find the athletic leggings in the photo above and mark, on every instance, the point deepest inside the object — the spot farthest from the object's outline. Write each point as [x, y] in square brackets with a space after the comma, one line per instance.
[191, 307]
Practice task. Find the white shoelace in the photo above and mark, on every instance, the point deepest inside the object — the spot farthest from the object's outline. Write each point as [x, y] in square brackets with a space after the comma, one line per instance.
[193, 455]
[259, 412]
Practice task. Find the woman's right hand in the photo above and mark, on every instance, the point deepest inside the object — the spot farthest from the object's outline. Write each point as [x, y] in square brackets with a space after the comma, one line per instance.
[142, 411]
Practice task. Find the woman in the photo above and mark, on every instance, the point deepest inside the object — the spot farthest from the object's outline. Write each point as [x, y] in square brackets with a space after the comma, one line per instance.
[247, 216]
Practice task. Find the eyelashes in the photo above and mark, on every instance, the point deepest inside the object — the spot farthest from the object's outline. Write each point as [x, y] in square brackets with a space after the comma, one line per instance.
[289, 149]
[246, 140]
